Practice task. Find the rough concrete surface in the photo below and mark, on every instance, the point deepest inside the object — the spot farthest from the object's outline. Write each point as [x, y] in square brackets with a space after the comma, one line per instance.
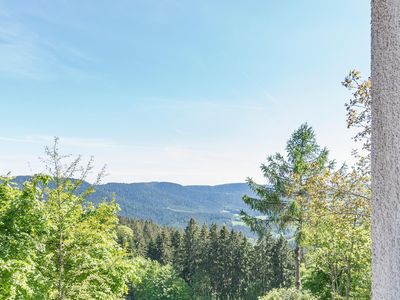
[386, 149]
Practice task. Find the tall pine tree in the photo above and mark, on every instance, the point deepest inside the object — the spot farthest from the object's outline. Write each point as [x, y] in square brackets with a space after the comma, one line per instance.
[284, 200]
[190, 251]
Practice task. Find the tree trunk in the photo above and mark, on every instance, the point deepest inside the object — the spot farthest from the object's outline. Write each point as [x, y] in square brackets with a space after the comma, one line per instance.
[60, 266]
[348, 279]
[297, 260]
[385, 66]
[60, 254]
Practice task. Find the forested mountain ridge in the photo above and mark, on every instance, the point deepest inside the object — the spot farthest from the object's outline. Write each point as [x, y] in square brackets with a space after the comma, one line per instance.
[173, 204]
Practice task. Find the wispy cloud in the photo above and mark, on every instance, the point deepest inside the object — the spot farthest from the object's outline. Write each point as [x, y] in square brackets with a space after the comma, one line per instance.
[27, 54]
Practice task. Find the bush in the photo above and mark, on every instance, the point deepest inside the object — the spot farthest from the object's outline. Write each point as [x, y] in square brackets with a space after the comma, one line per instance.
[288, 294]
[152, 281]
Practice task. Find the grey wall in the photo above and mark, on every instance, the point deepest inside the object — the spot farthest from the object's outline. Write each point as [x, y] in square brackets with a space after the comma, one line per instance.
[386, 149]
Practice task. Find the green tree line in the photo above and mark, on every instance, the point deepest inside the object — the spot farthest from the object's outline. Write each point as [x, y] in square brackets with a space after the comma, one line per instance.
[215, 262]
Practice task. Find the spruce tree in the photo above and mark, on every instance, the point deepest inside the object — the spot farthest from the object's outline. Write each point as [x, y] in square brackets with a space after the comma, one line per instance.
[284, 200]
[163, 248]
[282, 264]
[213, 259]
[176, 250]
[201, 281]
[242, 268]
[190, 252]
[239, 268]
[264, 274]
[152, 251]
[224, 263]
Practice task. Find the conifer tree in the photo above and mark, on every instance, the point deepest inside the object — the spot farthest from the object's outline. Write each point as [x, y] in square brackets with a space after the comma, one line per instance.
[212, 263]
[239, 265]
[190, 252]
[282, 264]
[203, 241]
[176, 250]
[284, 200]
[263, 263]
[201, 281]
[152, 252]
[163, 248]
[224, 265]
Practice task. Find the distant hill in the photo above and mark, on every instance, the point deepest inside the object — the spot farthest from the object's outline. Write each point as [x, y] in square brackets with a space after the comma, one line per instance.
[173, 204]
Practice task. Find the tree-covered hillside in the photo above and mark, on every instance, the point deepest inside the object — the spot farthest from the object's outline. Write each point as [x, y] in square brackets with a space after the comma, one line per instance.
[172, 204]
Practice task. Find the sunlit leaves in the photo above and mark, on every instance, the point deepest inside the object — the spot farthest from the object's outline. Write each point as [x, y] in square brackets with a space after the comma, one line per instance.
[359, 107]
[338, 235]
[152, 281]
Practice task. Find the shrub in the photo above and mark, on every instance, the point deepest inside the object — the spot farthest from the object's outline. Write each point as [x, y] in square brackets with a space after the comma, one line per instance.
[152, 281]
[288, 294]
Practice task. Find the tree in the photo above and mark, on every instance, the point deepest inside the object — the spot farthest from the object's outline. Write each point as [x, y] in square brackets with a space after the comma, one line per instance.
[190, 251]
[23, 230]
[125, 238]
[212, 264]
[272, 264]
[176, 248]
[152, 281]
[282, 264]
[221, 263]
[163, 248]
[85, 260]
[338, 236]
[263, 273]
[285, 200]
[241, 266]
[224, 264]
[359, 107]
[54, 244]
[288, 294]
[202, 287]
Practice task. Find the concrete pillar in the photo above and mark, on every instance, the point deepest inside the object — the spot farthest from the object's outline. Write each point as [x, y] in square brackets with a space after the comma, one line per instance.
[386, 149]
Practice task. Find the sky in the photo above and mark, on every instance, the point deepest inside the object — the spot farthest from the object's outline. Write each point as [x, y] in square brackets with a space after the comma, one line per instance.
[193, 92]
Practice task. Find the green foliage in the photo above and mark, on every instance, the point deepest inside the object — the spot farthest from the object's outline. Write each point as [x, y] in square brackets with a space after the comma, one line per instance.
[285, 200]
[152, 281]
[190, 251]
[23, 228]
[125, 238]
[273, 264]
[54, 244]
[338, 230]
[288, 294]
[216, 262]
[359, 107]
[338, 237]
[173, 204]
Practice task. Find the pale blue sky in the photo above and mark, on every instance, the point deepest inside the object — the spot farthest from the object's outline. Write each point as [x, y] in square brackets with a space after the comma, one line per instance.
[194, 92]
